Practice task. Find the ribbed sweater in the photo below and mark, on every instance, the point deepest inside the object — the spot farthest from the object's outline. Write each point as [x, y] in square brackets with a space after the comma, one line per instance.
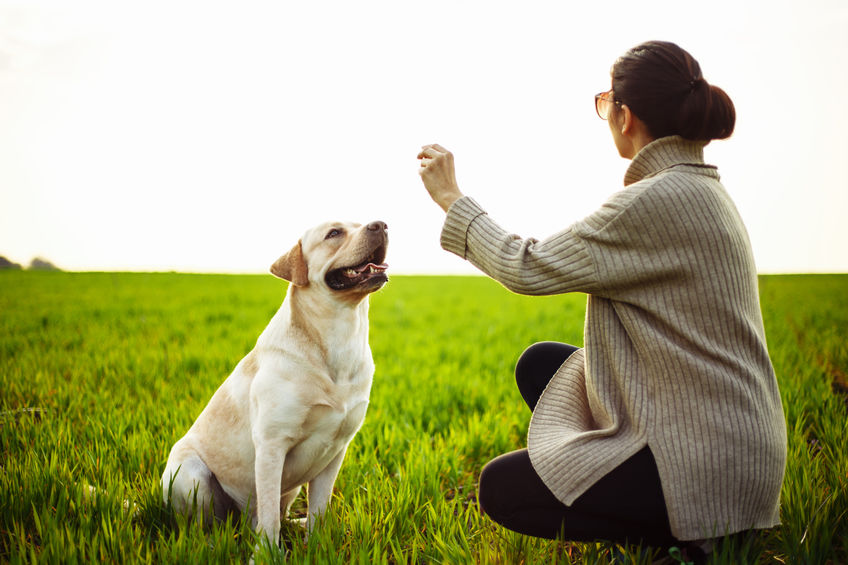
[674, 353]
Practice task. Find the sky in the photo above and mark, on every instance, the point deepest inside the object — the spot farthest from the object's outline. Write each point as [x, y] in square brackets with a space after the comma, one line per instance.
[208, 136]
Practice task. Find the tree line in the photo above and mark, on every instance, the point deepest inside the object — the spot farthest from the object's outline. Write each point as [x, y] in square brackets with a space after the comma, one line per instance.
[37, 264]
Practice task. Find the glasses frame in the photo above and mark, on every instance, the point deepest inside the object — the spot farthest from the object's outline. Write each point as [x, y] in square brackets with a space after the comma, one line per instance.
[608, 99]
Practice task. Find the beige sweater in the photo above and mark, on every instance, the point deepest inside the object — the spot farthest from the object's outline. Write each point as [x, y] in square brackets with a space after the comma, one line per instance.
[675, 352]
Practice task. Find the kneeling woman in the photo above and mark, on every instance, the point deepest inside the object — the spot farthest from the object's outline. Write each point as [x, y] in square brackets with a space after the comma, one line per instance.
[667, 427]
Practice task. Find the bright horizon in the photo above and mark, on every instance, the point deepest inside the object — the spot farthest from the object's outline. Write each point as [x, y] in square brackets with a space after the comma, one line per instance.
[190, 137]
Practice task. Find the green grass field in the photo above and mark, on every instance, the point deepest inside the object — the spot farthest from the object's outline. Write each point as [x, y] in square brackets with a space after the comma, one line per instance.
[100, 373]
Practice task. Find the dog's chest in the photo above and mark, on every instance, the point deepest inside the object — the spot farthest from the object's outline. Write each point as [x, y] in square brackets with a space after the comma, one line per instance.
[326, 432]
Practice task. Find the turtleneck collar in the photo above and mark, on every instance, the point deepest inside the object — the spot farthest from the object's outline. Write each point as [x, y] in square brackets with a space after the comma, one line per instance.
[664, 153]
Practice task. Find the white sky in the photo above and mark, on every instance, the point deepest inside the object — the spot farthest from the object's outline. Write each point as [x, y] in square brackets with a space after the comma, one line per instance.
[208, 136]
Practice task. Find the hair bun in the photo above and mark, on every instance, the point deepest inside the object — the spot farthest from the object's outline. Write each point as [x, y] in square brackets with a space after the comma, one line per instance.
[720, 115]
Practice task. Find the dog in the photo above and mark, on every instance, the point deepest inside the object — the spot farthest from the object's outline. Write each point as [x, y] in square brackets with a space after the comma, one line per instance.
[288, 411]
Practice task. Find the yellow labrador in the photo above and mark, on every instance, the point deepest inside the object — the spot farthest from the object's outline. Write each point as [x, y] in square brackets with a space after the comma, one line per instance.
[286, 414]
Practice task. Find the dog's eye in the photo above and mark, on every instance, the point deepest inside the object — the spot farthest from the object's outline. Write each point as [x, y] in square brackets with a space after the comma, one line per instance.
[333, 233]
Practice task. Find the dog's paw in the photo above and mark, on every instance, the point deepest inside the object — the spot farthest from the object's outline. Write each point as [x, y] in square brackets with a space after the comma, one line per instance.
[302, 522]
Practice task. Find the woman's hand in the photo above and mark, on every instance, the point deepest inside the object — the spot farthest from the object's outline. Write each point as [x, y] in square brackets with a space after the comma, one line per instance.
[438, 175]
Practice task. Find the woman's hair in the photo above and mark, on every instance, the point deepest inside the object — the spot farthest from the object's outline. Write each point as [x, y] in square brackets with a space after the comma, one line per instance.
[663, 86]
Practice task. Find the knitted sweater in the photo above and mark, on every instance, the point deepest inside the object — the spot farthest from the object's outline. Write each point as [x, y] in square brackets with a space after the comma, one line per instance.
[675, 352]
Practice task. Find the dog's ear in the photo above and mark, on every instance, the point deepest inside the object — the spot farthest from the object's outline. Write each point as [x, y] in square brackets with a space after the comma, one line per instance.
[292, 267]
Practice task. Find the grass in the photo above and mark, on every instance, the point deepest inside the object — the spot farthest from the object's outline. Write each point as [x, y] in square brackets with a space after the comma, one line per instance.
[100, 373]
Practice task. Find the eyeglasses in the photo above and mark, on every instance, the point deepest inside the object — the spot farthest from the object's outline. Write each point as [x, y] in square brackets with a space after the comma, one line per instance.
[604, 102]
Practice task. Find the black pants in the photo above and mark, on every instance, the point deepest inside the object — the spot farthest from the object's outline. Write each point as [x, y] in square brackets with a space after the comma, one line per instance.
[625, 506]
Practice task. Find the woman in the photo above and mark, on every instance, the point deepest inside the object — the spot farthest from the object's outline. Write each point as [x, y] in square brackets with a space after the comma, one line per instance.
[667, 427]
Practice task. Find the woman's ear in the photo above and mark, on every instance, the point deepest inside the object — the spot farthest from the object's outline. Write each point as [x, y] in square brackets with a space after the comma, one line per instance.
[292, 267]
[627, 119]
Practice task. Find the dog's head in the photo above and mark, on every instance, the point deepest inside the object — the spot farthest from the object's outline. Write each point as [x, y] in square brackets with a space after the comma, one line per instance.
[342, 257]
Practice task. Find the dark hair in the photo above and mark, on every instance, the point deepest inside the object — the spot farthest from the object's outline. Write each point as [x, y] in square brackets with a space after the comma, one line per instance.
[663, 86]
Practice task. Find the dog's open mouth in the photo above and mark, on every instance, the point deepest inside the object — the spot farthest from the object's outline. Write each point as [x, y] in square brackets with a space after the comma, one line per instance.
[371, 272]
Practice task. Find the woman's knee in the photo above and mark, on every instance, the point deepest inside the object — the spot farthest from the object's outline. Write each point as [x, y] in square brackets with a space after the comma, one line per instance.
[542, 357]
[500, 480]
[488, 488]
[537, 365]
[511, 493]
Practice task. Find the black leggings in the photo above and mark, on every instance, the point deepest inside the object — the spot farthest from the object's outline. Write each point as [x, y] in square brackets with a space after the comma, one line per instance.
[624, 506]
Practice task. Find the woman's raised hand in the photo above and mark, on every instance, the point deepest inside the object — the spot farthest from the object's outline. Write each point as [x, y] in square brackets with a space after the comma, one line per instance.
[438, 175]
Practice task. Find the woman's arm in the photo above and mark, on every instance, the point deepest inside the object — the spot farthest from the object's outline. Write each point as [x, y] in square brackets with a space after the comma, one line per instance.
[560, 263]
[555, 265]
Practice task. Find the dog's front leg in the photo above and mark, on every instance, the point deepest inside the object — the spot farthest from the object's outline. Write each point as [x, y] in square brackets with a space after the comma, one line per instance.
[321, 489]
[274, 411]
[270, 458]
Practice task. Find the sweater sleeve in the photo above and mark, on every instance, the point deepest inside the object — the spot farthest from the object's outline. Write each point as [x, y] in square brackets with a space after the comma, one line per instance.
[558, 264]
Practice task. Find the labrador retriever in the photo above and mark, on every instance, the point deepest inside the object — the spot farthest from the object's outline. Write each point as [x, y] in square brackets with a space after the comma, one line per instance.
[286, 414]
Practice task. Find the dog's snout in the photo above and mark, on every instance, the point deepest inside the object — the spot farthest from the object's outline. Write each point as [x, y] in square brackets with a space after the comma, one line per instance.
[377, 226]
